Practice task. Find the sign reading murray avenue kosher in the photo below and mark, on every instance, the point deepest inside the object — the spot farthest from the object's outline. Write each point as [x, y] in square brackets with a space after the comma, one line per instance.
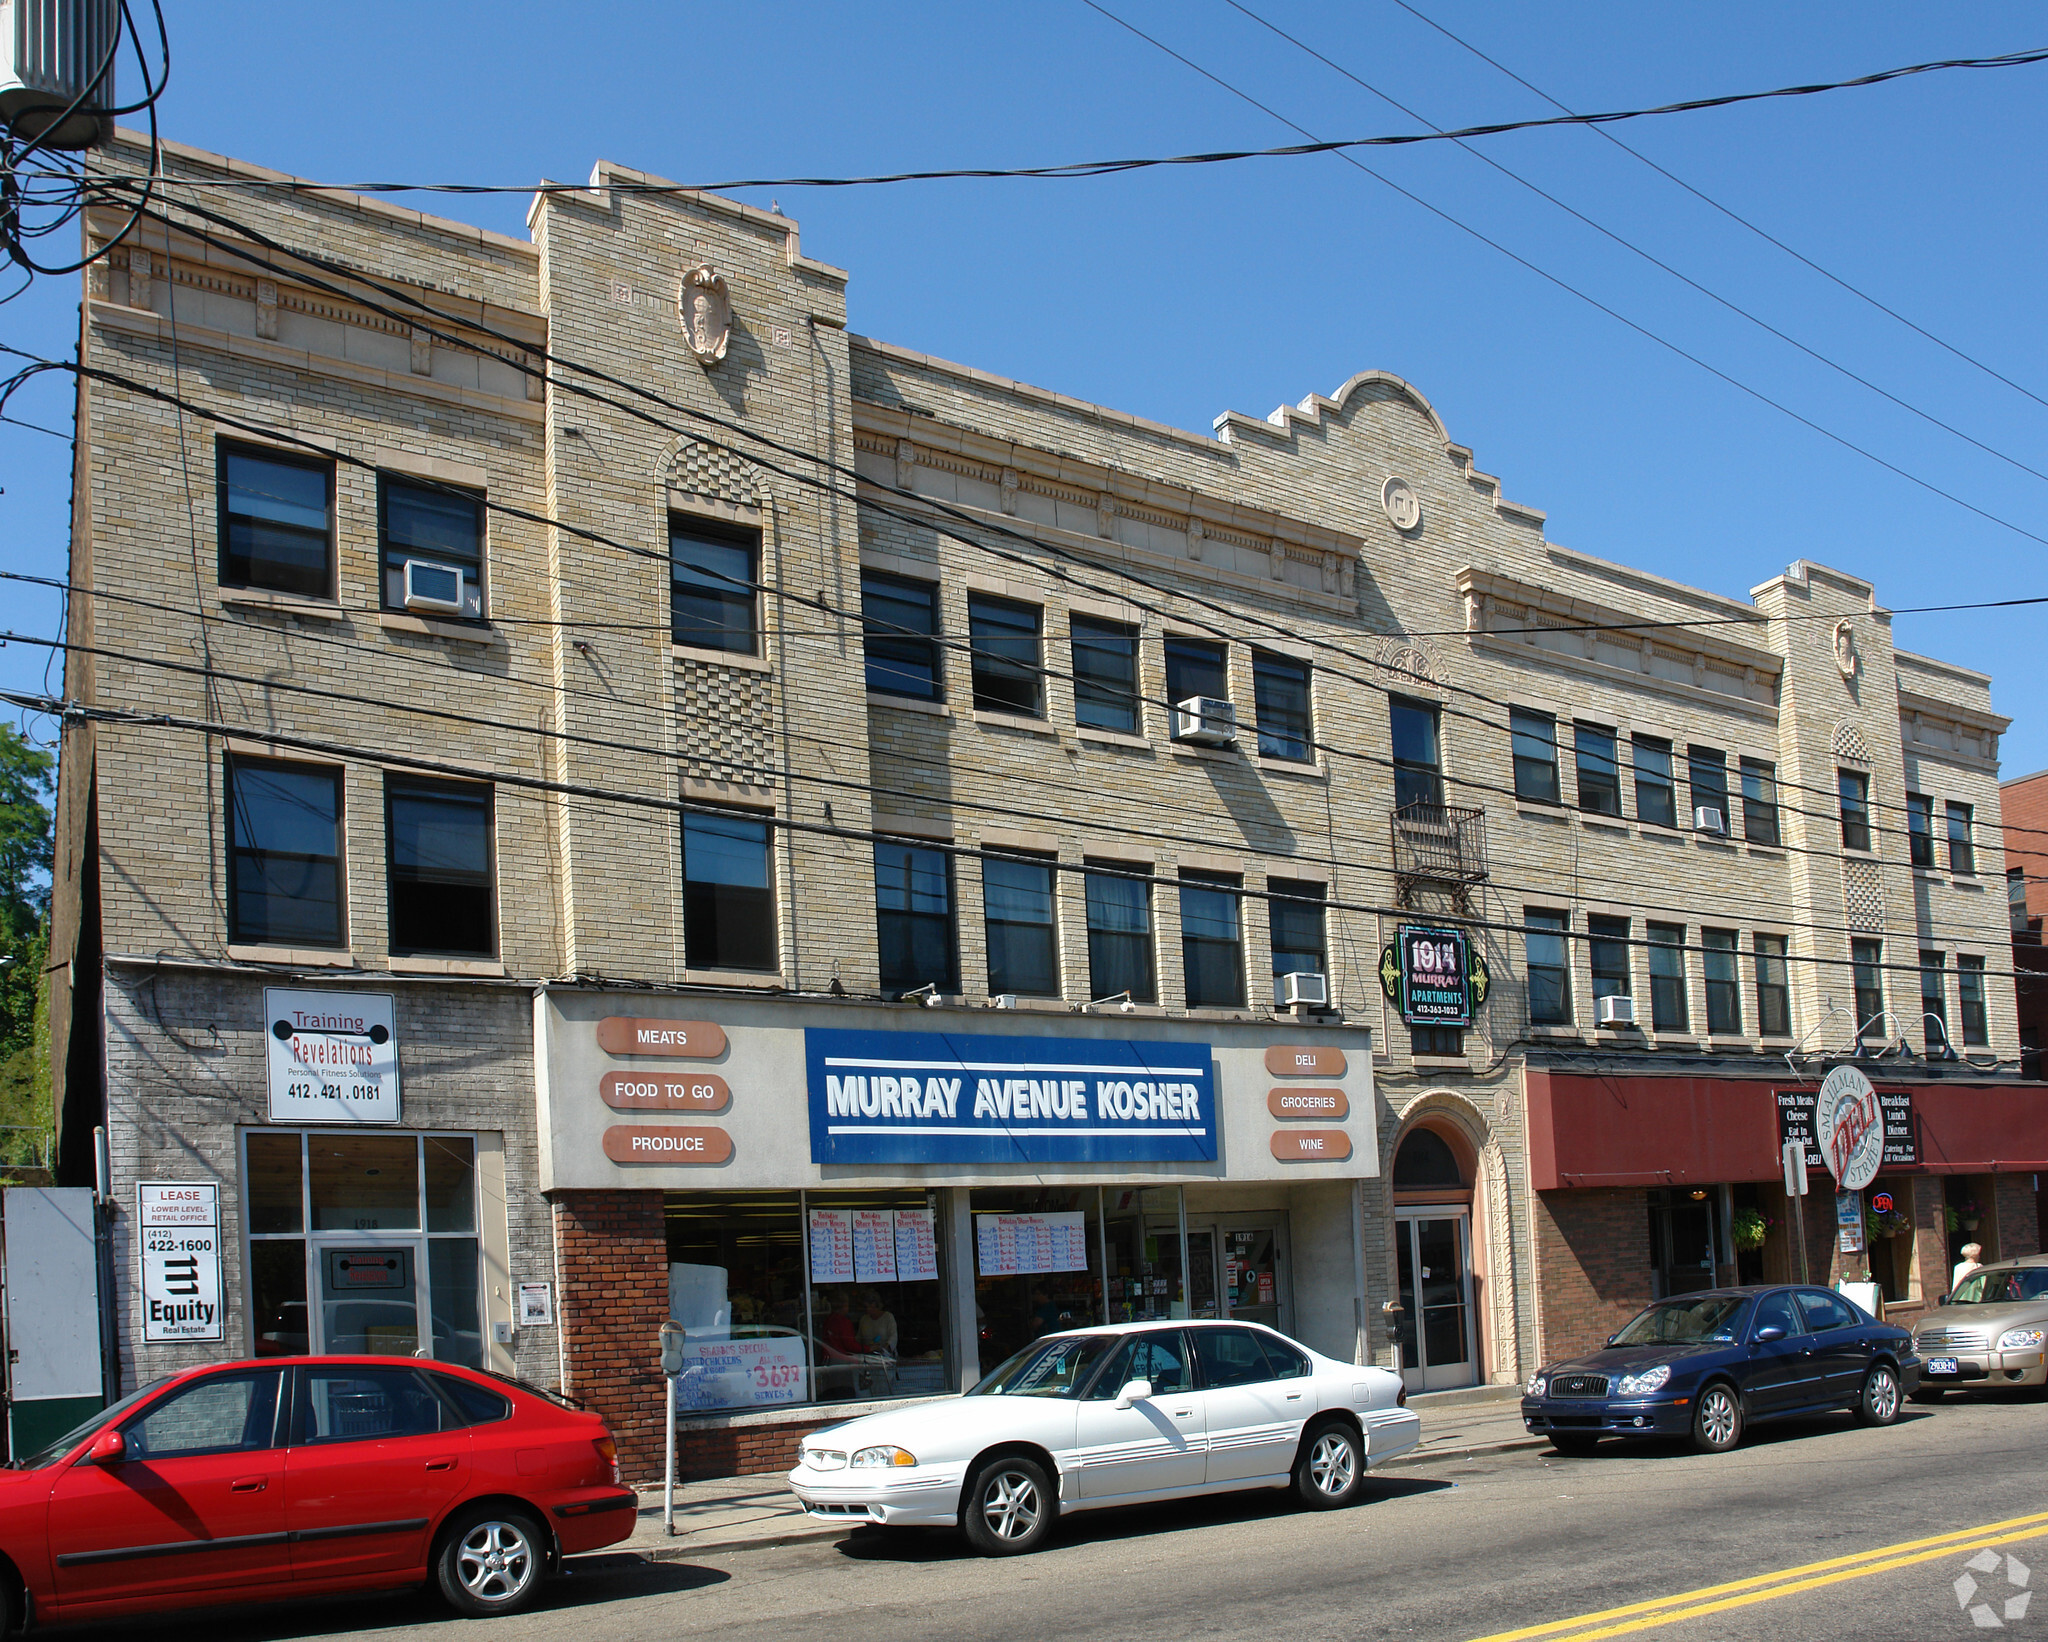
[951, 1097]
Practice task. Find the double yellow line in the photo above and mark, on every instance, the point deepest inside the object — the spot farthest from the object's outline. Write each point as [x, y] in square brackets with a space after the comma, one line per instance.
[1743, 1593]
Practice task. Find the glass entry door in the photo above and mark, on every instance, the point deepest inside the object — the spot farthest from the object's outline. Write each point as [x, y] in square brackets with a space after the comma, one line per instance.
[369, 1297]
[1433, 1254]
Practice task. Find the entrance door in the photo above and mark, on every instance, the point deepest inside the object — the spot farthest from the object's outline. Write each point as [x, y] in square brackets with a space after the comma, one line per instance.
[1433, 1252]
[1682, 1231]
[1254, 1275]
[369, 1298]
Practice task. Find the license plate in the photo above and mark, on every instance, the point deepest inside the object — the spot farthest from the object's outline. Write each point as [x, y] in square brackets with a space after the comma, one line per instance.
[1941, 1365]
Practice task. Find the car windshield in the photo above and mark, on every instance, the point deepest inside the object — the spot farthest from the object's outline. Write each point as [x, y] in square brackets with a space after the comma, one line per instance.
[55, 1451]
[1710, 1317]
[1991, 1288]
[1048, 1368]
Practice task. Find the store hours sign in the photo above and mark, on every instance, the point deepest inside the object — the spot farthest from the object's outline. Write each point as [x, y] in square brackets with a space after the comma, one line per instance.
[1434, 976]
[333, 1056]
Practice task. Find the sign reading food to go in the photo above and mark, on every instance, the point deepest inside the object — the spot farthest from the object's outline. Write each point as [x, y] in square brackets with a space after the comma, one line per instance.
[332, 1056]
[664, 1091]
[686, 1040]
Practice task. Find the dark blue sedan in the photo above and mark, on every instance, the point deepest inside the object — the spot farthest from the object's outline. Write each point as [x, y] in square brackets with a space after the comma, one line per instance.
[1706, 1365]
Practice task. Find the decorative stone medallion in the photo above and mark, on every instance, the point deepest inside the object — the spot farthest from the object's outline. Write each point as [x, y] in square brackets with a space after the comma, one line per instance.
[1846, 658]
[706, 309]
[1403, 506]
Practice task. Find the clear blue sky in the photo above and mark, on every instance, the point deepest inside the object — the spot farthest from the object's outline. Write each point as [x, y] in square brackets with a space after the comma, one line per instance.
[1177, 294]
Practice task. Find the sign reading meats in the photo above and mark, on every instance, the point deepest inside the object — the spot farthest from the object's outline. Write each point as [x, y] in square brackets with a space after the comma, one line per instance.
[688, 1040]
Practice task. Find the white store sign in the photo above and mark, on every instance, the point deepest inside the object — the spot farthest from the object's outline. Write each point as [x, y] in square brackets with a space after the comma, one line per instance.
[333, 1056]
[178, 1223]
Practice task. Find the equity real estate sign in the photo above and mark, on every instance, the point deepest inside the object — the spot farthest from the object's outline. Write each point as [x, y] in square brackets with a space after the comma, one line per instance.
[178, 1223]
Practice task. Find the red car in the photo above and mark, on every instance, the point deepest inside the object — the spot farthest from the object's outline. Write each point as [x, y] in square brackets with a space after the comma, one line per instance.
[251, 1482]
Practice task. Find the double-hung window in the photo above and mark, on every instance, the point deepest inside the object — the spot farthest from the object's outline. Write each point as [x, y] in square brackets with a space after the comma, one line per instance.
[728, 898]
[1866, 965]
[1280, 692]
[1211, 941]
[2016, 901]
[1598, 774]
[1105, 675]
[276, 521]
[914, 917]
[1003, 638]
[1854, 787]
[1934, 1000]
[1773, 988]
[1724, 982]
[431, 537]
[1296, 910]
[1656, 799]
[1962, 849]
[714, 574]
[1550, 970]
[1706, 777]
[1607, 949]
[1668, 1011]
[1120, 937]
[1970, 996]
[1759, 801]
[1920, 829]
[899, 621]
[1017, 912]
[1195, 667]
[284, 854]
[1418, 755]
[1533, 737]
[441, 884]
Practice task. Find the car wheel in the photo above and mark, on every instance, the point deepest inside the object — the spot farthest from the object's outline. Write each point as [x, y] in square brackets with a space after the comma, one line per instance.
[1573, 1442]
[490, 1562]
[1330, 1469]
[1879, 1404]
[1011, 1507]
[1717, 1420]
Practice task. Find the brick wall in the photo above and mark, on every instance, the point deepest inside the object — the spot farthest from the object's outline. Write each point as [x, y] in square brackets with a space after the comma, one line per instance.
[2017, 1216]
[1593, 1266]
[611, 1259]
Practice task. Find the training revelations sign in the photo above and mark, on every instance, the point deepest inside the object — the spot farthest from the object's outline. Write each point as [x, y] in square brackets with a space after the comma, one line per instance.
[178, 1223]
[333, 1056]
[947, 1097]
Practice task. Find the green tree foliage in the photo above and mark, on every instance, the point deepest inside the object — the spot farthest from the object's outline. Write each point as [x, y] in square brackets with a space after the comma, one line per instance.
[26, 854]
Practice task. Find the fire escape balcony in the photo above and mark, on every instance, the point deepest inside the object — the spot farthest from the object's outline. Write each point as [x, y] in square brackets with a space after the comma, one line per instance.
[1438, 844]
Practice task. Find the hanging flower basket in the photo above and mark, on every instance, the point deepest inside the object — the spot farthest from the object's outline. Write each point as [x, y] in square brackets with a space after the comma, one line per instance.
[1748, 1230]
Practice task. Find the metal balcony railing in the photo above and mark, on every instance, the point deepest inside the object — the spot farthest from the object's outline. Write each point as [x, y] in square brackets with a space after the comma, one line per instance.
[1438, 843]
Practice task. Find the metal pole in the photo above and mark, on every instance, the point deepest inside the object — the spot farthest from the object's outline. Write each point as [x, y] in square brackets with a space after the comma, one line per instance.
[1799, 1234]
[668, 1470]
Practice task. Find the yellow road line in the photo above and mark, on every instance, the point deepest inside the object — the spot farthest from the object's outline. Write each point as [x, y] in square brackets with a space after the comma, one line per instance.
[1666, 1610]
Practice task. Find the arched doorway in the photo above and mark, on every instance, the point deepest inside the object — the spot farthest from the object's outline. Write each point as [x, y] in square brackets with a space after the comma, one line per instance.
[1433, 1172]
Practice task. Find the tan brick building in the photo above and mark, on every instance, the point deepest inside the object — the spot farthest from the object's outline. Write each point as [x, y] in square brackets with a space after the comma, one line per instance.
[835, 827]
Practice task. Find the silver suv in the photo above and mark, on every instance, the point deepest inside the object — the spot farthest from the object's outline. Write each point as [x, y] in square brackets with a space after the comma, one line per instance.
[1990, 1332]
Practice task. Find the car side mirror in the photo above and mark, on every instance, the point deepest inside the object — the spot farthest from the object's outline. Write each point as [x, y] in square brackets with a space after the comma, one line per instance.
[1134, 1391]
[1942, 1301]
[1612, 1338]
[108, 1448]
[1768, 1333]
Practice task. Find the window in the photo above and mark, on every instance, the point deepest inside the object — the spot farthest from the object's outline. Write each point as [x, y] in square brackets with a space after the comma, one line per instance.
[1854, 787]
[224, 1414]
[1962, 853]
[1607, 946]
[1550, 972]
[439, 527]
[1724, 984]
[353, 1404]
[1920, 829]
[1211, 946]
[1296, 911]
[712, 572]
[1934, 1001]
[276, 521]
[1447, 1041]
[1230, 1356]
[1158, 1355]
[1016, 898]
[1825, 1311]
[1668, 1012]
[1120, 938]
[1773, 988]
[1866, 965]
[1775, 1311]
[1105, 675]
[728, 906]
[1970, 994]
[1598, 775]
[1759, 801]
[1533, 737]
[1418, 761]
[439, 840]
[1656, 799]
[900, 625]
[284, 854]
[1195, 667]
[2016, 900]
[1003, 640]
[914, 917]
[476, 1404]
[1280, 692]
[1706, 775]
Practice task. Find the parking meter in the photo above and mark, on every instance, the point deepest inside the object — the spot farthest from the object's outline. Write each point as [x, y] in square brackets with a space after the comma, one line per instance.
[671, 1343]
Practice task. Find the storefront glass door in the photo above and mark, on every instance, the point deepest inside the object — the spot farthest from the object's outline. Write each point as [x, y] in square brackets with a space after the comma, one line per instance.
[1682, 1241]
[1433, 1254]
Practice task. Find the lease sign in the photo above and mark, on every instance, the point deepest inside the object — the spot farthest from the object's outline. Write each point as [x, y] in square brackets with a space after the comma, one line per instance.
[178, 1225]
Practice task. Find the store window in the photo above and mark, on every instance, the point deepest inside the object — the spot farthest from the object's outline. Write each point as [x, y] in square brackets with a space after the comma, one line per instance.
[1211, 941]
[1668, 1012]
[899, 622]
[1280, 692]
[1532, 737]
[1120, 937]
[432, 540]
[1773, 988]
[1889, 1234]
[1724, 982]
[1418, 752]
[1599, 777]
[284, 853]
[1607, 944]
[1934, 1002]
[1038, 1264]
[440, 880]
[1970, 1000]
[276, 521]
[1656, 797]
[1920, 829]
[1017, 914]
[1866, 962]
[1550, 973]
[1003, 646]
[1195, 667]
[914, 918]
[1105, 657]
[728, 904]
[362, 1242]
[714, 569]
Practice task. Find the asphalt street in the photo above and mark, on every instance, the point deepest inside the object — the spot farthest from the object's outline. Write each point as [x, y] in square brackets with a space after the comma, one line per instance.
[1517, 1545]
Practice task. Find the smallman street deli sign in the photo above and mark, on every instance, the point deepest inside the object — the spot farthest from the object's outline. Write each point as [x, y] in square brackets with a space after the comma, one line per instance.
[947, 1097]
[1796, 1121]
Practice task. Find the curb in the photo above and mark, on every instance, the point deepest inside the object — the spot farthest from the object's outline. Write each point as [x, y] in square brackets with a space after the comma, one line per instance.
[1413, 1459]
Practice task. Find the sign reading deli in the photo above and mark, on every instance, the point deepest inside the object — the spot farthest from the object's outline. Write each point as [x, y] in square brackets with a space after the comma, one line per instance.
[757, 1093]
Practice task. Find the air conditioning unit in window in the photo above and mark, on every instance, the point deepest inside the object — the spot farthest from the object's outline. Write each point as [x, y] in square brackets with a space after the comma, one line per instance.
[1615, 1010]
[431, 586]
[1302, 989]
[1206, 721]
[1706, 818]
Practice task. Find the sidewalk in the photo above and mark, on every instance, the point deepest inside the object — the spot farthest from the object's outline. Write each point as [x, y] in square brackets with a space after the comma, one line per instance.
[743, 1513]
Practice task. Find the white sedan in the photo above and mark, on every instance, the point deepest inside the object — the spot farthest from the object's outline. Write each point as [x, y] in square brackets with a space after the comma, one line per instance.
[1112, 1416]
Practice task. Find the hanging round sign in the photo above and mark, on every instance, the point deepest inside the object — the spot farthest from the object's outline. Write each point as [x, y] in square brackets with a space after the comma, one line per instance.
[1849, 1126]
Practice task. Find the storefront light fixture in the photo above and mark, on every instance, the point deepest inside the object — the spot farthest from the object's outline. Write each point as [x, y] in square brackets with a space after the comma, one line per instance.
[1699, 1196]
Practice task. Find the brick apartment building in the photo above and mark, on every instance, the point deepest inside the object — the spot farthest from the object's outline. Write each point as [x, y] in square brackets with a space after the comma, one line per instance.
[873, 860]
[2025, 805]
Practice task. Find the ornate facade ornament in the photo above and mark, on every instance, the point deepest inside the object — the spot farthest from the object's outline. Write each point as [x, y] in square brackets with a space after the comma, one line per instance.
[1279, 560]
[705, 306]
[906, 465]
[266, 309]
[1105, 518]
[1399, 656]
[1195, 535]
[422, 361]
[1849, 743]
[1403, 506]
[1846, 659]
[138, 279]
[1012, 482]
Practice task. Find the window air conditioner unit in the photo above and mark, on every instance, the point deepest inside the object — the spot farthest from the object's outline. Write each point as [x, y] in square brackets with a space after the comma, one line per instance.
[1304, 989]
[431, 586]
[1206, 721]
[1706, 818]
[1615, 1010]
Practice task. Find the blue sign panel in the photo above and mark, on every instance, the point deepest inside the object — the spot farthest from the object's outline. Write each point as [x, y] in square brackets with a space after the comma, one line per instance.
[950, 1097]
